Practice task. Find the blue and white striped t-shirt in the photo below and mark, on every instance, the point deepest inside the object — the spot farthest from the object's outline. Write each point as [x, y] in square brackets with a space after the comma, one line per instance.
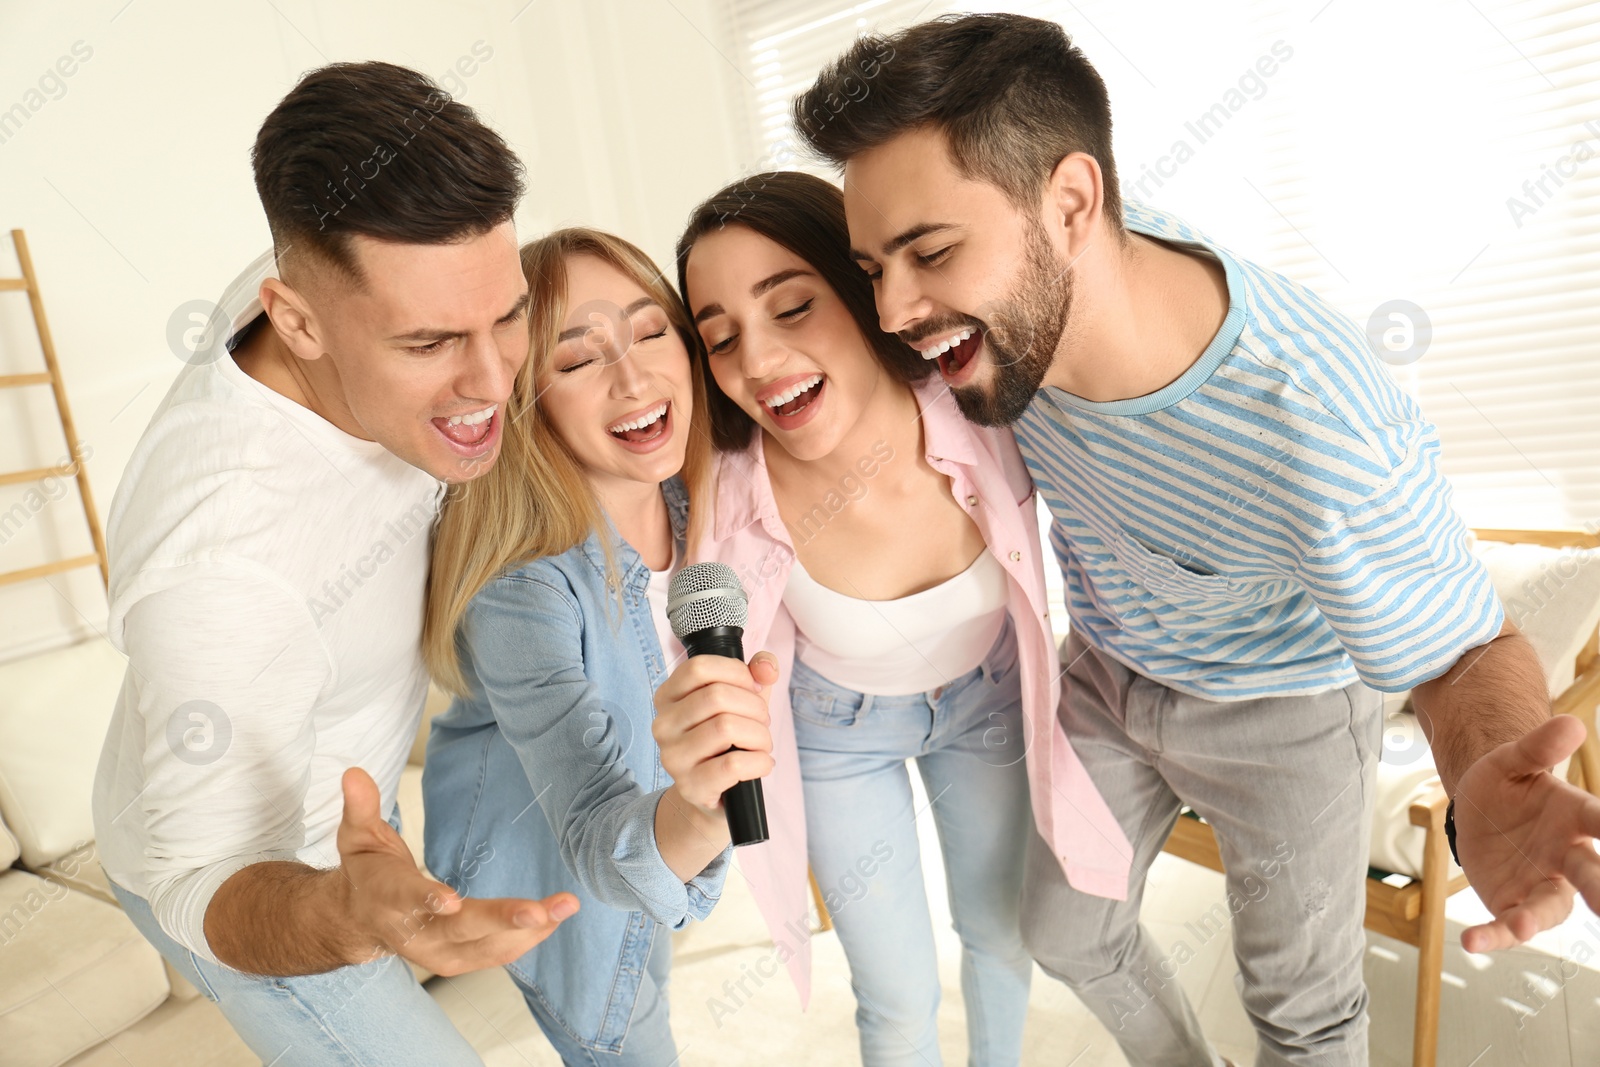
[1273, 522]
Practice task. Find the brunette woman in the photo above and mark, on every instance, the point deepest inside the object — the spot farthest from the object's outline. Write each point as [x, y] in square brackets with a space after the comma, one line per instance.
[893, 557]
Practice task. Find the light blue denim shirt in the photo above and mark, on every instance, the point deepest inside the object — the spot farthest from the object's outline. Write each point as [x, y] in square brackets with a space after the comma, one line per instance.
[559, 717]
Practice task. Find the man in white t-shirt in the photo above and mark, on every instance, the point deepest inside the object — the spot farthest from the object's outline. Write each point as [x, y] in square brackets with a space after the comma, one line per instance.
[269, 553]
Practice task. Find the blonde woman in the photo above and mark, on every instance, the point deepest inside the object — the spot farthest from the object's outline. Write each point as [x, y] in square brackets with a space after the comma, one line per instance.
[547, 619]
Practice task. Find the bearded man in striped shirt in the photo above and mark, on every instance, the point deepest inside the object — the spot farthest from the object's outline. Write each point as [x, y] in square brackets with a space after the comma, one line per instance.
[1255, 537]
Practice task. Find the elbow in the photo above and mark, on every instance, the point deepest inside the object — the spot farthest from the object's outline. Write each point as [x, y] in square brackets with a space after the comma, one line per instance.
[602, 878]
[615, 860]
[592, 851]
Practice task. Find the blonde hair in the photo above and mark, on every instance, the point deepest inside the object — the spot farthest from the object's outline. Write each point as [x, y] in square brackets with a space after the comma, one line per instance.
[536, 500]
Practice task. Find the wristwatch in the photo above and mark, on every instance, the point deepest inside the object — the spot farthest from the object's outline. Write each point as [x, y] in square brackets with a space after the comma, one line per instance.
[1450, 829]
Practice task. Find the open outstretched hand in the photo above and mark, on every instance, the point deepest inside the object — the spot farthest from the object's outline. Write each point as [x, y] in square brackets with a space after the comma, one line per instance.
[1525, 837]
[401, 910]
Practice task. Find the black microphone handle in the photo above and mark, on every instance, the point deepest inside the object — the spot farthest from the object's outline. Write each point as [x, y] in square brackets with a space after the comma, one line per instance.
[743, 804]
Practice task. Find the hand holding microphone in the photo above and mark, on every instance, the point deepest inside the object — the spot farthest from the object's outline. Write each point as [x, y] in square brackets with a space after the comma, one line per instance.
[711, 721]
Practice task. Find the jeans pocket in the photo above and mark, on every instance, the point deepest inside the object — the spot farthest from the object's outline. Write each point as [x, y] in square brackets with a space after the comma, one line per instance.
[818, 701]
[199, 979]
[1000, 665]
[811, 705]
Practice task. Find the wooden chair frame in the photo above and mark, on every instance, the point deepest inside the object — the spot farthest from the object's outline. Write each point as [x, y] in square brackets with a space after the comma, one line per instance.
[1414, 912]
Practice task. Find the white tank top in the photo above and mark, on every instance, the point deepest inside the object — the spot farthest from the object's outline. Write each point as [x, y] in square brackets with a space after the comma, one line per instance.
[655, 592]
[895, 647]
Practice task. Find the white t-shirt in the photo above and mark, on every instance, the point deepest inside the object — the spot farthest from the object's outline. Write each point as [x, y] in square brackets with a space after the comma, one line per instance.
[268, 573]
[656, 590]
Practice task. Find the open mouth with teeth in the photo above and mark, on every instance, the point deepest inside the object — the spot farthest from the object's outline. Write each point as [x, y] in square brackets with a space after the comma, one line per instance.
[795, 399]
[955, 352]
[470, 429]
[644, 428]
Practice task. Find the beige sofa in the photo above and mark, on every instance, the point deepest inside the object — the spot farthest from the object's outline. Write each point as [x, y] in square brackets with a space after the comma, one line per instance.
[78, 984]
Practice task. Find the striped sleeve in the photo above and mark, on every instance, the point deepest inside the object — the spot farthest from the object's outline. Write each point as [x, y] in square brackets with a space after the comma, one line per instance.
[1396, 580]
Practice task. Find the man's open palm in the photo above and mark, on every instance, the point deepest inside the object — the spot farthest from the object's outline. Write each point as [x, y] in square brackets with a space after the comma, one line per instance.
[1525, 837]
[405, 912]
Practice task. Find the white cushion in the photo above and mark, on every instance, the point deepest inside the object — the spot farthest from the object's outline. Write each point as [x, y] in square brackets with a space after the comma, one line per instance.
[409, 799]
[1406, 775]
[75, 972]
[80, 870]
[54, 710]
[438, 701]
[1553, 596]
[9, 849]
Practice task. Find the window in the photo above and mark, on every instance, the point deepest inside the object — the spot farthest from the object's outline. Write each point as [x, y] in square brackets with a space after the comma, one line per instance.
[782, 46]
[1432, 170]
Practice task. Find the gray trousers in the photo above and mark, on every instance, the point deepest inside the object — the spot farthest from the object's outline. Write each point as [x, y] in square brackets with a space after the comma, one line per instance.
[1287, 784]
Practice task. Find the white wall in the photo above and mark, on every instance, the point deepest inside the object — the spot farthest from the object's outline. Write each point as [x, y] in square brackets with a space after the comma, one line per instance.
[131, 177]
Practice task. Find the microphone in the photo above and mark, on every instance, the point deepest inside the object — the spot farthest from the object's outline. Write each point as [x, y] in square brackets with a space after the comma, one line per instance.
[707, 608]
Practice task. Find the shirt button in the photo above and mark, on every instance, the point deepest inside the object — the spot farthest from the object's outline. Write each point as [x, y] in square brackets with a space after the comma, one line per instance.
[972, 501]
[1016, 557]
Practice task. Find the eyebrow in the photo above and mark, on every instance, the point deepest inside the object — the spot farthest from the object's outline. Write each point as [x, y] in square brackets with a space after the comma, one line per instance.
[627, 313]
[895, 244]
[761, 288]
[428, 333]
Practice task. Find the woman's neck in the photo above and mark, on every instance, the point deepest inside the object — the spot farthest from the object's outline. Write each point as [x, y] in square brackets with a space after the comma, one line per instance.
[639, 512]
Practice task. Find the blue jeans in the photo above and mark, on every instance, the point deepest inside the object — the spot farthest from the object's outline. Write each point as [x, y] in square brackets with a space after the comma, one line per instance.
[365, 1014]
[966, 737]
[649, 1040]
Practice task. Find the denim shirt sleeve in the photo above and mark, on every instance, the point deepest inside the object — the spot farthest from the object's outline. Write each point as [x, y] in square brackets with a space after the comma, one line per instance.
[525, 646]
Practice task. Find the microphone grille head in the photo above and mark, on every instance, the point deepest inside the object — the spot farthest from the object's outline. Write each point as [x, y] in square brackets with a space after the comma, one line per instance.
[703, 595]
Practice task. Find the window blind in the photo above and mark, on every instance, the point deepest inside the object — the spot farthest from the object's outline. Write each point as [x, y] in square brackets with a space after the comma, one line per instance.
[783, 44]
[1430, 169]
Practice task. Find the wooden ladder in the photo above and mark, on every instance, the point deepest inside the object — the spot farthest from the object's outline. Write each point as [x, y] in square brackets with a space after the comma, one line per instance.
[51, 375]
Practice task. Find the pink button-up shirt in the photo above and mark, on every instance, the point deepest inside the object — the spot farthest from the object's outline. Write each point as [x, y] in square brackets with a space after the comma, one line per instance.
[987, 475]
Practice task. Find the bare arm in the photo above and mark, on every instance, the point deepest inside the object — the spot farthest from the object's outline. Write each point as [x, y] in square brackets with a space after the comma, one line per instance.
[251, 678]
[689, 837]
[281, 918]
[1495, 693]
[250, 913]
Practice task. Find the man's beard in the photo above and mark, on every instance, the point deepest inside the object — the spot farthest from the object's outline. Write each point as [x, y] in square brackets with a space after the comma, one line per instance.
[1022, 330]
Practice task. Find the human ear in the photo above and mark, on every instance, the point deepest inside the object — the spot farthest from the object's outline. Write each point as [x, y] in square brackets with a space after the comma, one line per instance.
[1073, 198]
[293, 319]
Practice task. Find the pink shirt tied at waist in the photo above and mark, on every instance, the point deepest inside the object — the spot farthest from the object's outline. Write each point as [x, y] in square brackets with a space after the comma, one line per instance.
[987, 474]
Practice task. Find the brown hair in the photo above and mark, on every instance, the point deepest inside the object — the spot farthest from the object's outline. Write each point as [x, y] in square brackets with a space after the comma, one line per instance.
[536, 501]
[1012, 95]
[804, 214]
[378, 150]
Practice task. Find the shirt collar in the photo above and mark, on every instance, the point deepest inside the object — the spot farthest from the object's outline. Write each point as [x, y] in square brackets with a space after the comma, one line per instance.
[744, 492]
[945, 434]
[1221, 344]
[630, 565]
